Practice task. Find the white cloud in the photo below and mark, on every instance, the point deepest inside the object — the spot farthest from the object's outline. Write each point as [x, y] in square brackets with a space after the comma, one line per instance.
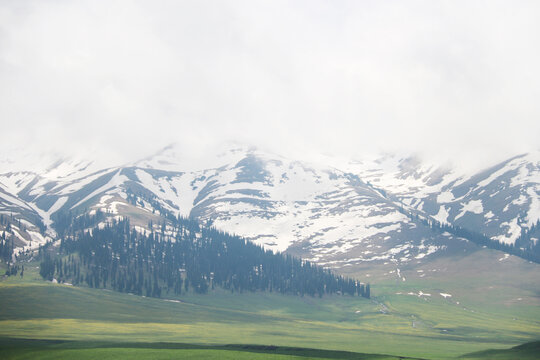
[449, 79]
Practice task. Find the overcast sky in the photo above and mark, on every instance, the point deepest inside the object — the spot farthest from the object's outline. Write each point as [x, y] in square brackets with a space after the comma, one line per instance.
[445, 78]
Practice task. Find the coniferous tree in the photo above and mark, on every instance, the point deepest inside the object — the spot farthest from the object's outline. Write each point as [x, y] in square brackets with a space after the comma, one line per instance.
[198, 258]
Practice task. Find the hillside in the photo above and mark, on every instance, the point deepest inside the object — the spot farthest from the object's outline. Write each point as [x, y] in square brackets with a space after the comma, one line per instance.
[501, 201]
[428, 327]
[182, 257]
[332, 217]
[362, 221]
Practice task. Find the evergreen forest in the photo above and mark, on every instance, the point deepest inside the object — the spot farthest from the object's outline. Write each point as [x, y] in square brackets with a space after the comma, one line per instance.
[179, 257]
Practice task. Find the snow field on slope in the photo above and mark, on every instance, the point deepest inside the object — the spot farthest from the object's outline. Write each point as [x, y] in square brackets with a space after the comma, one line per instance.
[317, 216]
[66, 188]
[15, 182]
[385, 173]
[442, 215]
[113, 184]
[533, 215]
[512, 231]
[175, 158]
[13, 200]
[176, 190]
[473, 206]
[310, 203]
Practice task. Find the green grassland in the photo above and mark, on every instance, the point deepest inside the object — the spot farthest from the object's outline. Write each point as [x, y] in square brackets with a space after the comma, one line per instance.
[54, 349]
[41, 350]
[528, 351]
[392, 323]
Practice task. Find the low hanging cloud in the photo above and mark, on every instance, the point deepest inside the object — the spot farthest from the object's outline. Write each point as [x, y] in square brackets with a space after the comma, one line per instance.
[454, 80]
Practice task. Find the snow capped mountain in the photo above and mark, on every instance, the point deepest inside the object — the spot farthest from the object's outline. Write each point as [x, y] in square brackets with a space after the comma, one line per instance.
[320, 212]
[23, 222]
[336, 217]
[501, 201]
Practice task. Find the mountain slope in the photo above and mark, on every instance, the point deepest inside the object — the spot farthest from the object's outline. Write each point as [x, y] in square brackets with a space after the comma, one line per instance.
[502, 201]
[333, 217]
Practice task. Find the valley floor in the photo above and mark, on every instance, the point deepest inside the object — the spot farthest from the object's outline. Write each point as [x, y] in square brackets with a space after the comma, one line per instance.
[43, 349]
[397, 325]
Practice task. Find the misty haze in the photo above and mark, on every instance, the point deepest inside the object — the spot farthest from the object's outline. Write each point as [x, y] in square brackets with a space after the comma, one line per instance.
[282, 180]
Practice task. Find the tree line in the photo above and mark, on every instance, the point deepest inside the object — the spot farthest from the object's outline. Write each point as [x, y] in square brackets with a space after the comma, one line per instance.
[528, 241]
[531, 252]
[196, 258]
[6, 247]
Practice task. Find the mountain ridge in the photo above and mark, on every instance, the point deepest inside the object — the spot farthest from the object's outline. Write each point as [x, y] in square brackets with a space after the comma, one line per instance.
[330, 216]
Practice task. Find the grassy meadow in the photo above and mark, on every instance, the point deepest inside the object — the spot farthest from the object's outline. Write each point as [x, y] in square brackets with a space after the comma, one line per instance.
[392, 323]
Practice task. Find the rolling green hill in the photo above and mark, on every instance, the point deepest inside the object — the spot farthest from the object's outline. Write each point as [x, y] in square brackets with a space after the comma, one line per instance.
[31, 308]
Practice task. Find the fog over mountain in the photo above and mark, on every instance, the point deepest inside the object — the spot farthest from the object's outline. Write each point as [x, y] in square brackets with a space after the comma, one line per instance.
[270, 178]
[121, 79]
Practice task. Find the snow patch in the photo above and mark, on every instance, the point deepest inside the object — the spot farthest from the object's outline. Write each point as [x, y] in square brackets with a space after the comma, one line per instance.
[513, 231]
[506, 256]
[442, 215]
[474, 206]
[114, 183]
[445, 197]
[533, 215]
[173, 301]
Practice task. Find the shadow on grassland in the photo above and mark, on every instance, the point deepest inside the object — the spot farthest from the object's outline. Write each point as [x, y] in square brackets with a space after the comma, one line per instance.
[11, 345]
[527, 351]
